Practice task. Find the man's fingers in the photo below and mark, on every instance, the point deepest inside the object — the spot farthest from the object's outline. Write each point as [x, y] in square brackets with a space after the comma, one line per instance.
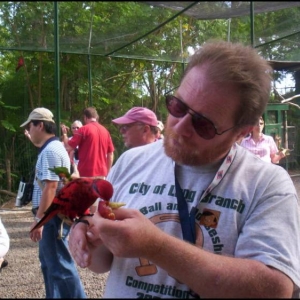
[125, 213]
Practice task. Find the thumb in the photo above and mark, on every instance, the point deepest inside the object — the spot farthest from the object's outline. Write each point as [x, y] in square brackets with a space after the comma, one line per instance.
[92, 236]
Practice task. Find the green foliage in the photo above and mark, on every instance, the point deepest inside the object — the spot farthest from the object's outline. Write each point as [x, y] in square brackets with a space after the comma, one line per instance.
[7, 125]
[138, 74]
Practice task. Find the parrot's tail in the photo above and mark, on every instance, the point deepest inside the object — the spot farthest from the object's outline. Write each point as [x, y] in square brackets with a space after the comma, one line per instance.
[47, 217]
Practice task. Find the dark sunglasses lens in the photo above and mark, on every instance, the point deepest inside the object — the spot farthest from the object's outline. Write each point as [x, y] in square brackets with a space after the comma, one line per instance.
[175, 107]
[204, 127]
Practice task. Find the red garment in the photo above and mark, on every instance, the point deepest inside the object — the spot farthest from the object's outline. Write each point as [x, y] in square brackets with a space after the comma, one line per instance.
[94, 143]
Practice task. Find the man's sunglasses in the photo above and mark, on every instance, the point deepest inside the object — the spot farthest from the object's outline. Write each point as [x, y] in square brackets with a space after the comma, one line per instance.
[73, 128]
[124, 128]
[203, 126]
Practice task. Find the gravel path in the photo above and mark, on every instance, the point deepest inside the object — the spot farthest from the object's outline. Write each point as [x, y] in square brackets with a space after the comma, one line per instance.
[22, 278]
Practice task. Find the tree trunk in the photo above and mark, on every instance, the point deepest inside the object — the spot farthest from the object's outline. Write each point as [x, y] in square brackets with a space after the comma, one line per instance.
[7, 193]
[297, 85]
[8, 174]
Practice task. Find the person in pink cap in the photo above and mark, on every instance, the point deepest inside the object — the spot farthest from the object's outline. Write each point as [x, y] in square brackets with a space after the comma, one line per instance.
[138, 127]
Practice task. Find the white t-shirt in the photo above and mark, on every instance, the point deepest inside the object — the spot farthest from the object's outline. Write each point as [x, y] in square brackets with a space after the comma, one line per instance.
[252, 213]
[4, 240]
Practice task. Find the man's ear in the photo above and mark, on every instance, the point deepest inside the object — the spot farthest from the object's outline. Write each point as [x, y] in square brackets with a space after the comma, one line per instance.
[146, 128]
[41, 125]
[245, 131]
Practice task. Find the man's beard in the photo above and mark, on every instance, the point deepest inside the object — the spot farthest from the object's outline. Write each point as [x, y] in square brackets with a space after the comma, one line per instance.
[184, 151]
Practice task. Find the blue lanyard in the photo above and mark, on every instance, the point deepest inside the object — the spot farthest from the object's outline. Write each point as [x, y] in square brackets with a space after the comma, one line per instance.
[187, 219]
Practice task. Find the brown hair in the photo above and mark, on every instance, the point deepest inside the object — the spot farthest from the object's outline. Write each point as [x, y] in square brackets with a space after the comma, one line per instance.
[91, 112]
[241, 65]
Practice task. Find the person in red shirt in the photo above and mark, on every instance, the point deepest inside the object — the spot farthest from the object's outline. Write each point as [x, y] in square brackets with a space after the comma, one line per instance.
[95, 146]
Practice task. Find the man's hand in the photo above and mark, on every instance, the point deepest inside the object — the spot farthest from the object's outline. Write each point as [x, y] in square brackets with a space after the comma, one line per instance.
[131, 235]
[36, 235]
[64, 129]
[27, 134]
[284, 152]
[78, 244]
[75, 173]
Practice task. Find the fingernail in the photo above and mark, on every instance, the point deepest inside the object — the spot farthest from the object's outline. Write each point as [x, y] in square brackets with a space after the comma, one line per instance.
[85, 256]
[89, 234]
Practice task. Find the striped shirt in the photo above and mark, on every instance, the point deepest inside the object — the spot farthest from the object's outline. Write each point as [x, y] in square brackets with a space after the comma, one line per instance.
[53, 155]
[264, 148]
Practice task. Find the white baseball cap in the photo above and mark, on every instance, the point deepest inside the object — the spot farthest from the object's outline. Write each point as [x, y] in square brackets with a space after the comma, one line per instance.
[41, 114]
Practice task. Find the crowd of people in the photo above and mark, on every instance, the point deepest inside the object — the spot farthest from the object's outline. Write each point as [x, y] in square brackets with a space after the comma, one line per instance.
[203, 216]
[65, 131]
[88, 152]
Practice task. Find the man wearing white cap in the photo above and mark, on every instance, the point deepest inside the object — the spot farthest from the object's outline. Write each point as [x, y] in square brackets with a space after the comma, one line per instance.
[60, 274]
[138, 127]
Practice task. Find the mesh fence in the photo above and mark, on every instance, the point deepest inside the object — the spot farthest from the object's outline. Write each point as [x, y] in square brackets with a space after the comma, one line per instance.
[154, 31]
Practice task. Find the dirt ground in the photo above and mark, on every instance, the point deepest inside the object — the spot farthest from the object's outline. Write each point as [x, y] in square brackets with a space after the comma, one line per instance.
[22, 278]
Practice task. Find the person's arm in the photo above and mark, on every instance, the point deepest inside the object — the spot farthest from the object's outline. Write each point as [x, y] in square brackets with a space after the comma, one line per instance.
[276, 157]
[64, 131]
[88, 250]
[71, 155]
[206, 273]
[48, 194]
[64, 140]
[218, 276]
[109, 161]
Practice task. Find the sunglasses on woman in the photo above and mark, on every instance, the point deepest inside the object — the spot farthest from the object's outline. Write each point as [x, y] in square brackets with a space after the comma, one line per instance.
[203, 126]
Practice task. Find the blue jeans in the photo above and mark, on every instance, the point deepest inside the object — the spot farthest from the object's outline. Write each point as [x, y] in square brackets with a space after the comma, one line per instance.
[60, 274]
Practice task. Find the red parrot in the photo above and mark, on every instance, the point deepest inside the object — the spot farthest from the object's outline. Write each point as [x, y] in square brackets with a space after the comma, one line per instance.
[20, 63]
[75, 198]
